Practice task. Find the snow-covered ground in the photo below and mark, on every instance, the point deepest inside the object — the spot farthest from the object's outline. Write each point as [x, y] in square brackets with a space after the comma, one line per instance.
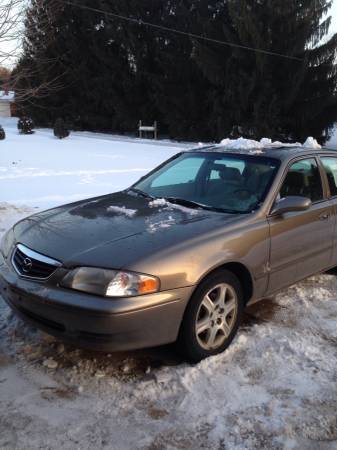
[39, 170]
[275, 388]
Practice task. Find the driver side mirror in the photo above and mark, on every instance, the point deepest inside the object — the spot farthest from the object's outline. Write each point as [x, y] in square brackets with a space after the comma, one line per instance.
[290, 204]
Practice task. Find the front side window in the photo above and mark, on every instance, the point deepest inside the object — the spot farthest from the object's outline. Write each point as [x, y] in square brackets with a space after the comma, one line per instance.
[330, 166]
[303, 180]
[226, 182]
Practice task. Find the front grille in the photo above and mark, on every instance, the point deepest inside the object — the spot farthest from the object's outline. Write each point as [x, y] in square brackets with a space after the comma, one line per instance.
[30, 264]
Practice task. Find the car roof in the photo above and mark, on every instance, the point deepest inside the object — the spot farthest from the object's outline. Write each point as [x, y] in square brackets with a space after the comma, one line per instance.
[282, 153]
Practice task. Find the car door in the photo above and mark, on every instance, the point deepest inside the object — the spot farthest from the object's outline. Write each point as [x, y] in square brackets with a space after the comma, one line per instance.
[330, 168]
[301, 241]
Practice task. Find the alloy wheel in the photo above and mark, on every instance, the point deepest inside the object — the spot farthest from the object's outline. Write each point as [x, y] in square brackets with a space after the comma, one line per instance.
[216, 316]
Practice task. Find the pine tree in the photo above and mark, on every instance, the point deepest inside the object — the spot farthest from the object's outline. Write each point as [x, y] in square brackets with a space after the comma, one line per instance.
[135, 47]
[26, 125]
[87, 59]
[42, 60]
[162, 82]
[60, 129]
[264, 95]
[113, 73]
[180, 89]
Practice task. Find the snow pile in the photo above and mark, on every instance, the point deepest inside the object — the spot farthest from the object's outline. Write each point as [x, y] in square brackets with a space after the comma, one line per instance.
[241, 144]
[122, 210]
[312, 143]
[249, 144]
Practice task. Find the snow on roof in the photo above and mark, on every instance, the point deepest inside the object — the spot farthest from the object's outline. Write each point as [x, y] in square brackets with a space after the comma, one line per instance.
[244, 145]
[311, 143]
[7, 95]
[249, 144]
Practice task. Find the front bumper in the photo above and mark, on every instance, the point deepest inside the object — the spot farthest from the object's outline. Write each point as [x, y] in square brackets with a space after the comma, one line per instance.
[94, 322]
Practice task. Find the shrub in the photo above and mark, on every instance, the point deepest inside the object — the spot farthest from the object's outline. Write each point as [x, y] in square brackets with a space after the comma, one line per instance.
[26, 125]
[2, 134]
[60, 129]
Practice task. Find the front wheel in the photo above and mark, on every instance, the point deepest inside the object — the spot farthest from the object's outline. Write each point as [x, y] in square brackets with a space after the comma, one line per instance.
[212, 317]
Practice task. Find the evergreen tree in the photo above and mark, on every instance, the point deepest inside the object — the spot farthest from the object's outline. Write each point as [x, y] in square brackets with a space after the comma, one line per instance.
[265, 95]
[112, 73]
[26, 125]
[180, 89]
[2, 134]
[60, 129]
[89, 62]
[136, 46]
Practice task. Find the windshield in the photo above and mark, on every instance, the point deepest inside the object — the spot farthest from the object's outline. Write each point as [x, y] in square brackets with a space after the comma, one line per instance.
[224, 182]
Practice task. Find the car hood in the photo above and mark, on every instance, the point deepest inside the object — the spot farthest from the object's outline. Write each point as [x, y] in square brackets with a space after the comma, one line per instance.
[114, 230]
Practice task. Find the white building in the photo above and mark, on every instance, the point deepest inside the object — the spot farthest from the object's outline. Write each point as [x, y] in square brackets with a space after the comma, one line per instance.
[6, 99]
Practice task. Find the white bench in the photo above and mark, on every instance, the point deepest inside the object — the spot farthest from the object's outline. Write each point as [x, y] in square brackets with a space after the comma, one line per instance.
[152, 129]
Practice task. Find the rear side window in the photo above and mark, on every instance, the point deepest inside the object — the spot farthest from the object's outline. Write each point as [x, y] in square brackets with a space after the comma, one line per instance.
[304, 180]
[330, 166]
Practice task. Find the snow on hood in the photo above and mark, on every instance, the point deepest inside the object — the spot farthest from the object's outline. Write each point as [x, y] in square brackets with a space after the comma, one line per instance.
[122, 210]
[250, 144]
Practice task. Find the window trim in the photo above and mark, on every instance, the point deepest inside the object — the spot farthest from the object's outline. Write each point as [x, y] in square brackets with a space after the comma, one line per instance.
[285, 173]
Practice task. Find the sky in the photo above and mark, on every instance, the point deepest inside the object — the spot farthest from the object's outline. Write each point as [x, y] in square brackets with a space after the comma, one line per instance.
[333, 13]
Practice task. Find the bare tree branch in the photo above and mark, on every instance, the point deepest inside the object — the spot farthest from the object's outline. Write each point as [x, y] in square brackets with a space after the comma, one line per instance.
[13, 14]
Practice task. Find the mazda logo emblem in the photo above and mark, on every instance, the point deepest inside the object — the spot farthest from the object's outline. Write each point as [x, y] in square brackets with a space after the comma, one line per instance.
[27, 265]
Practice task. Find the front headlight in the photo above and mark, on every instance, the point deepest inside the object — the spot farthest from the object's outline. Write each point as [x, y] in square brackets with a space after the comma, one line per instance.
[7, 243]
[110, 283]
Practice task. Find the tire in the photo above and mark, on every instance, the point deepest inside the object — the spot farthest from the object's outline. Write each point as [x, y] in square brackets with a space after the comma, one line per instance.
[212, 317]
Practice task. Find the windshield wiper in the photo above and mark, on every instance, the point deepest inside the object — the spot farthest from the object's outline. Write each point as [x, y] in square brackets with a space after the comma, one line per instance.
[184, 202]
[141, 193]
[192, 204]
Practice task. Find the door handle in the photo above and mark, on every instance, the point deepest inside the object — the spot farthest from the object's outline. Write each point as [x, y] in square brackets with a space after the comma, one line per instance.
[324, 216]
